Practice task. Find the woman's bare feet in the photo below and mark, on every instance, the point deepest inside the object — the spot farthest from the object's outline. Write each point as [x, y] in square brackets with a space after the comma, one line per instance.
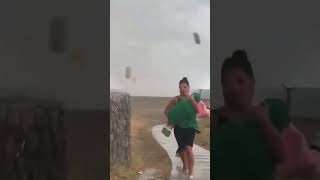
[190, 174]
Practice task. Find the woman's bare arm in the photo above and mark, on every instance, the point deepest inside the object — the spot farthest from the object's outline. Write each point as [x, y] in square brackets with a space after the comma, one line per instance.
[171, 104]
[193, 102]
[274, 140]
[271, 134]
[195, 105]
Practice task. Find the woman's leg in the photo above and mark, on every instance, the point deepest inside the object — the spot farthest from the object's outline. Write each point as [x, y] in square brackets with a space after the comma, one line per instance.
[179, 135]
[190, 135]
[190, 159]
[184, 159]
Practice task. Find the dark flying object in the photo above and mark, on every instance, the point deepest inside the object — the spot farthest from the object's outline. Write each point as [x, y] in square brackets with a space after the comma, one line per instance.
[128, 72]
[196, 38]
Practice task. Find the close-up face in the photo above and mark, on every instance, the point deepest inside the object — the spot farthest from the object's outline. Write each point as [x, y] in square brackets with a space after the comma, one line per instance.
[238, 87]
[184, 89]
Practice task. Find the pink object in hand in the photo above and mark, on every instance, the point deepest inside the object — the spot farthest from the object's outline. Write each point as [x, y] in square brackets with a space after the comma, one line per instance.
[204, 112]
[299, 158]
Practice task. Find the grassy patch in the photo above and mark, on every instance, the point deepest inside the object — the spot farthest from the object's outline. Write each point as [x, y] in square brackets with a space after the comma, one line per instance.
[123, 173]
[203, 139]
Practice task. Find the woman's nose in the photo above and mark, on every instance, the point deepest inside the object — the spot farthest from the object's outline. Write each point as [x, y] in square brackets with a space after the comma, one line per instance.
[235, 89]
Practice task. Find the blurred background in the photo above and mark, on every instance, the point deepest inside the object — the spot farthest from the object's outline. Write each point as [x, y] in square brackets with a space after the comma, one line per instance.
[53, 71]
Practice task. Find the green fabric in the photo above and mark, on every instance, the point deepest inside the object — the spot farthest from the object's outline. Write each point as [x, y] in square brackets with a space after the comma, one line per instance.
[278, 113]
[166, 131]
[183, 115]
[197, 97]
[240, 152]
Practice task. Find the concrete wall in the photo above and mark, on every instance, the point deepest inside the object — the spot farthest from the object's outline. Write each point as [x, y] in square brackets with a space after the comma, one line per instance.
[281, 37]
[28, 67]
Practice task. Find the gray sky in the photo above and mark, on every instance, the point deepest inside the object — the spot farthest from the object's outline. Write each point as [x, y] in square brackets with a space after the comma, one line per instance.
[154, 38]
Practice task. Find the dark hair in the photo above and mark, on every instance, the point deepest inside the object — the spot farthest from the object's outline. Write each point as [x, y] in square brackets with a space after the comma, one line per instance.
[239, 60]
[184, 80]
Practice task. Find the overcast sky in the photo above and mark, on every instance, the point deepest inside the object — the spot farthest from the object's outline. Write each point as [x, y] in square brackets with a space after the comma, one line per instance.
[154, 38]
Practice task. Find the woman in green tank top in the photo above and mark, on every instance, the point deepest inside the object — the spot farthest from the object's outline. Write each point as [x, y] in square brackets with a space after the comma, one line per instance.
[245, 143]
[181, 113]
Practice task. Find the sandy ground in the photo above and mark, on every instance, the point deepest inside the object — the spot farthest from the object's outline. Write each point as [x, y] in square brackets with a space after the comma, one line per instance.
[203, 139]
[146, 153]
[87, 158]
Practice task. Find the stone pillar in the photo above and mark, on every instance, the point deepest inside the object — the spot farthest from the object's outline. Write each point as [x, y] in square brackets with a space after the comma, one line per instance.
[120, 112]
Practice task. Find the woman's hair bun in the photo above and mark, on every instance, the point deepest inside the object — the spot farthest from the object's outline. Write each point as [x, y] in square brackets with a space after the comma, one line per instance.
[240, 54]
[184, 80]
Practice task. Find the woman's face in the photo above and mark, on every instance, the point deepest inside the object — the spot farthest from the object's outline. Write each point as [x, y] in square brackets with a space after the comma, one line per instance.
[238, 87]
[184, 89]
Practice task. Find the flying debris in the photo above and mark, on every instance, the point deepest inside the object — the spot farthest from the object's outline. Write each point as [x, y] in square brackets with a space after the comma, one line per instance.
[128, 72]
[196, 38]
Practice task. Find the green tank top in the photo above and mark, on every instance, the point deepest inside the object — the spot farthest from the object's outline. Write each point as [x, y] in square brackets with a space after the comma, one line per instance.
[278, 113]
[240, 151]
[183, 115]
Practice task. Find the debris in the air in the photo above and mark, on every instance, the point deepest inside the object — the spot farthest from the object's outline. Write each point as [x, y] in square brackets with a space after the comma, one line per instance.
[128, 72]
[140, 172]
[196, 38]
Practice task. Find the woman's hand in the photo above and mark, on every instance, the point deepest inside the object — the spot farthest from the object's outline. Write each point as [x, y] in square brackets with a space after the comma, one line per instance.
[170, 125]
[261, 114]
[270, 133]
[190, 98]
[194, 103]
